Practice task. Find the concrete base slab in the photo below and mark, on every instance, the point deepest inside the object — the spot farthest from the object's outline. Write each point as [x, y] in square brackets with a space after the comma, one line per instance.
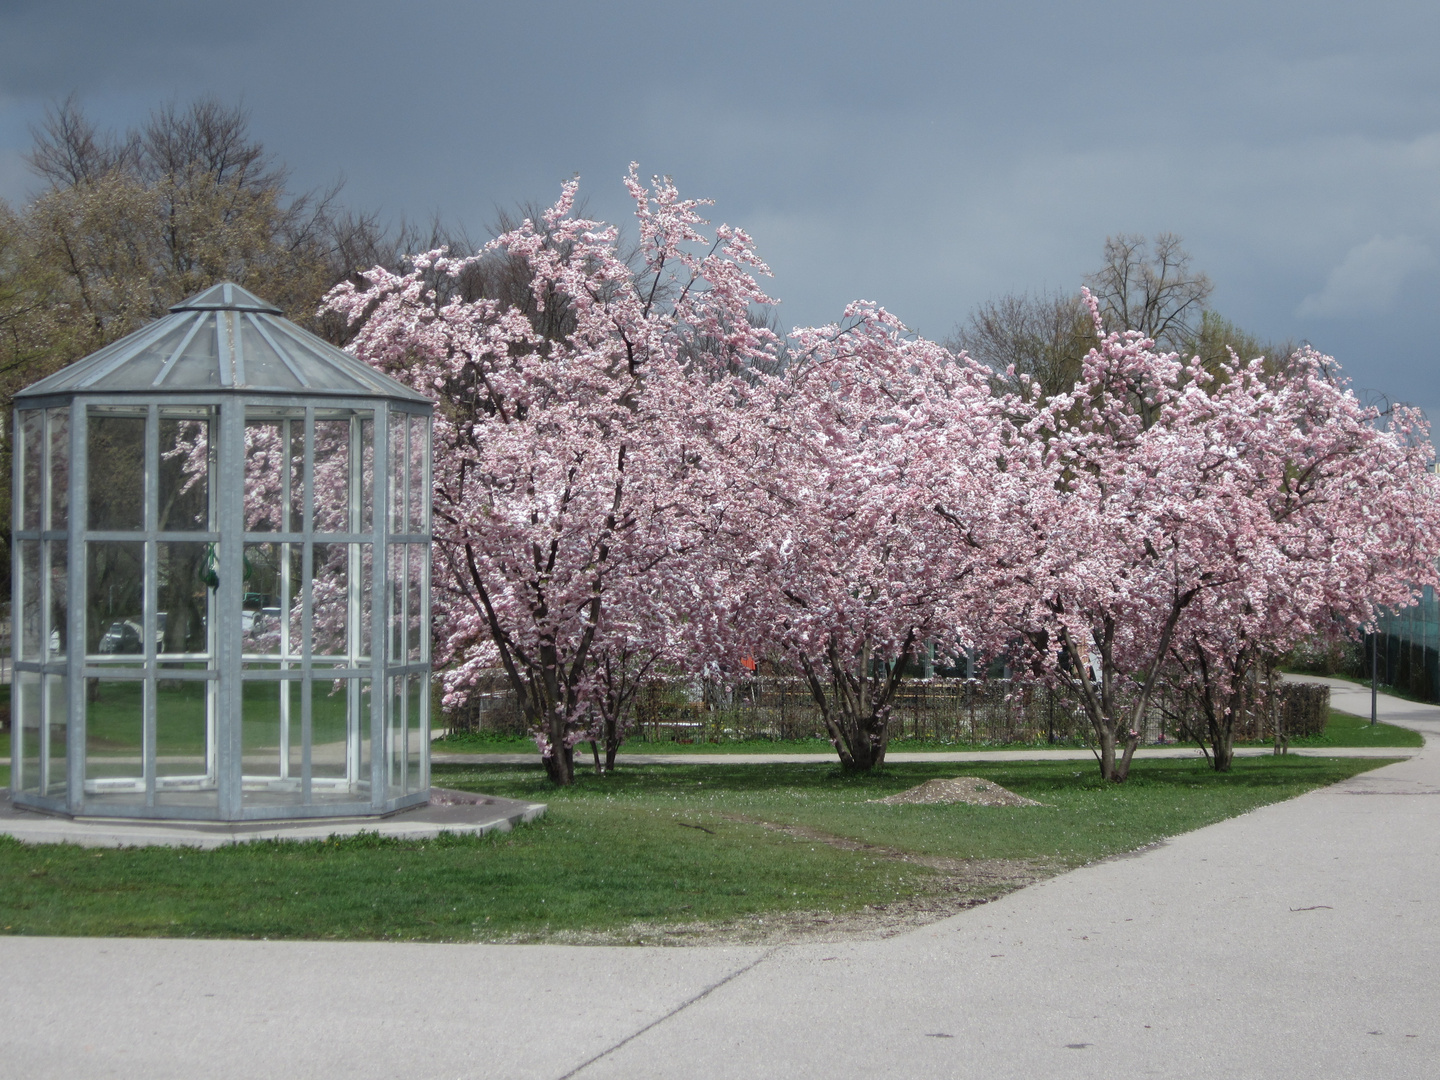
[447, 811]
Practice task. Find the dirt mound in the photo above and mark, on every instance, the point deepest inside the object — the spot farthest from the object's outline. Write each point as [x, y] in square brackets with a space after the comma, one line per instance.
[966, 789]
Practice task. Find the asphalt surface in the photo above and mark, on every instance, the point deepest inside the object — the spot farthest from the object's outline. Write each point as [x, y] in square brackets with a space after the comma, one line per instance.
[1298, 940]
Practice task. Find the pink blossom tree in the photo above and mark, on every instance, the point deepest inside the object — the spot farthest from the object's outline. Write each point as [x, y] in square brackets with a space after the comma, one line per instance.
[573, 470]
[1127, 531]
[1206, 521]
[1329, 516]
[875, 450]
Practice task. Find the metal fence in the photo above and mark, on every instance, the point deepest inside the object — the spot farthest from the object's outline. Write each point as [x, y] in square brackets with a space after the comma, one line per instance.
[1407, 649]
[968, 712]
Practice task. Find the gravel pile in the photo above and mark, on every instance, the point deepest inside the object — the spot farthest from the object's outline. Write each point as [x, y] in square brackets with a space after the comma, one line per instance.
[960, 789]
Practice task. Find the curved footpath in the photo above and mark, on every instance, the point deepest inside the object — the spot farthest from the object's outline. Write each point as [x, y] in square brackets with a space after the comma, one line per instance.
[1298, 940]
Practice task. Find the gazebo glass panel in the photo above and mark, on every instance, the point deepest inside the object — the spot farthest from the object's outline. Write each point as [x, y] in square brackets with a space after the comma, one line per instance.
[271, 736]
[297, 502]
[396, 742]
[395, 600]
[366, 477]
[59, 423]
[272, 602]
[416, 715]
[183, 618]
[116, 448]
[57, 554]
[263, 365]
[416, 563]
[186, 452]
[30, 717]
[30, 600]
[185, 710]
[313, 371]
[336, 503]
[399, 455]
[58, 731]
[31, 459]
[141, 369]
[198, 365]
[264, 476]
[363, 706]
[115, 739]
[114, 601]
[333, 615]
[365, 574]
[417, 491]
[335, 725]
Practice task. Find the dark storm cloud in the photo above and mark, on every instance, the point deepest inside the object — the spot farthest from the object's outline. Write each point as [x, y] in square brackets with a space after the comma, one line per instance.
[925, 156]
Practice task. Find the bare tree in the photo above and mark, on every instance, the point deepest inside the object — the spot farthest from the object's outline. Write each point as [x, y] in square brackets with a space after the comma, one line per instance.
[207, 138]
[69, 151]
[1150, 286]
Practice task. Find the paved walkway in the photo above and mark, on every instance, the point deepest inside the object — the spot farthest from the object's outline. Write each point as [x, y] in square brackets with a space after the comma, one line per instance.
[1299, 940]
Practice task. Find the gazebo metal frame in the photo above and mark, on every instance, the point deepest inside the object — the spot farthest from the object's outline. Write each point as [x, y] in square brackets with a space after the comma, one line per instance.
[262, 755]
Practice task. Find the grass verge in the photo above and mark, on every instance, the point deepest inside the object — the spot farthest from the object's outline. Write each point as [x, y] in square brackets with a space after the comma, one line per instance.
[1345, 730]
[649, 847]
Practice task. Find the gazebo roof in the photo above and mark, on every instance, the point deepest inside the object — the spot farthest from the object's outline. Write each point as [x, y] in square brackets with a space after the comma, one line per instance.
[223, 338]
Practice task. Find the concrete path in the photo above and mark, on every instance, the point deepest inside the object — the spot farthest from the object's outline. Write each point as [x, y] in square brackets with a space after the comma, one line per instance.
[1299, 940]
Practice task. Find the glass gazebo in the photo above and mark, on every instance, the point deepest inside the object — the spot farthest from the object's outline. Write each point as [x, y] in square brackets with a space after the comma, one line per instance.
[221, 576]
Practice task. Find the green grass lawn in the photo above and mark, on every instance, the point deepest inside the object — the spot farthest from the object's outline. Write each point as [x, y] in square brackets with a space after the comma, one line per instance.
[650, 844]
[1345, 730]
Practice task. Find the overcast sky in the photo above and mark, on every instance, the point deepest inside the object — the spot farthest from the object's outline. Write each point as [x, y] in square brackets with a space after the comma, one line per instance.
[924, 156]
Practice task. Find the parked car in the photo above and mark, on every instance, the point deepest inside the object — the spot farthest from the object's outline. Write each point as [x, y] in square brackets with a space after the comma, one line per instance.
[264, 621]
[121, 637]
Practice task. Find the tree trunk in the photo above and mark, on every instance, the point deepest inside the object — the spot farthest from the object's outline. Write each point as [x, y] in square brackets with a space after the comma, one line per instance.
[1222, 733]
[855, 710]
[1115, 755]
[1277, 714]
[560, 764]
[867, 743]
[1106, 735]
[1122, 767]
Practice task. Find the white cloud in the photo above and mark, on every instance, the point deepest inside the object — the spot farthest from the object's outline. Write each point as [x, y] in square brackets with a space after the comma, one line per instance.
[1368, 279]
